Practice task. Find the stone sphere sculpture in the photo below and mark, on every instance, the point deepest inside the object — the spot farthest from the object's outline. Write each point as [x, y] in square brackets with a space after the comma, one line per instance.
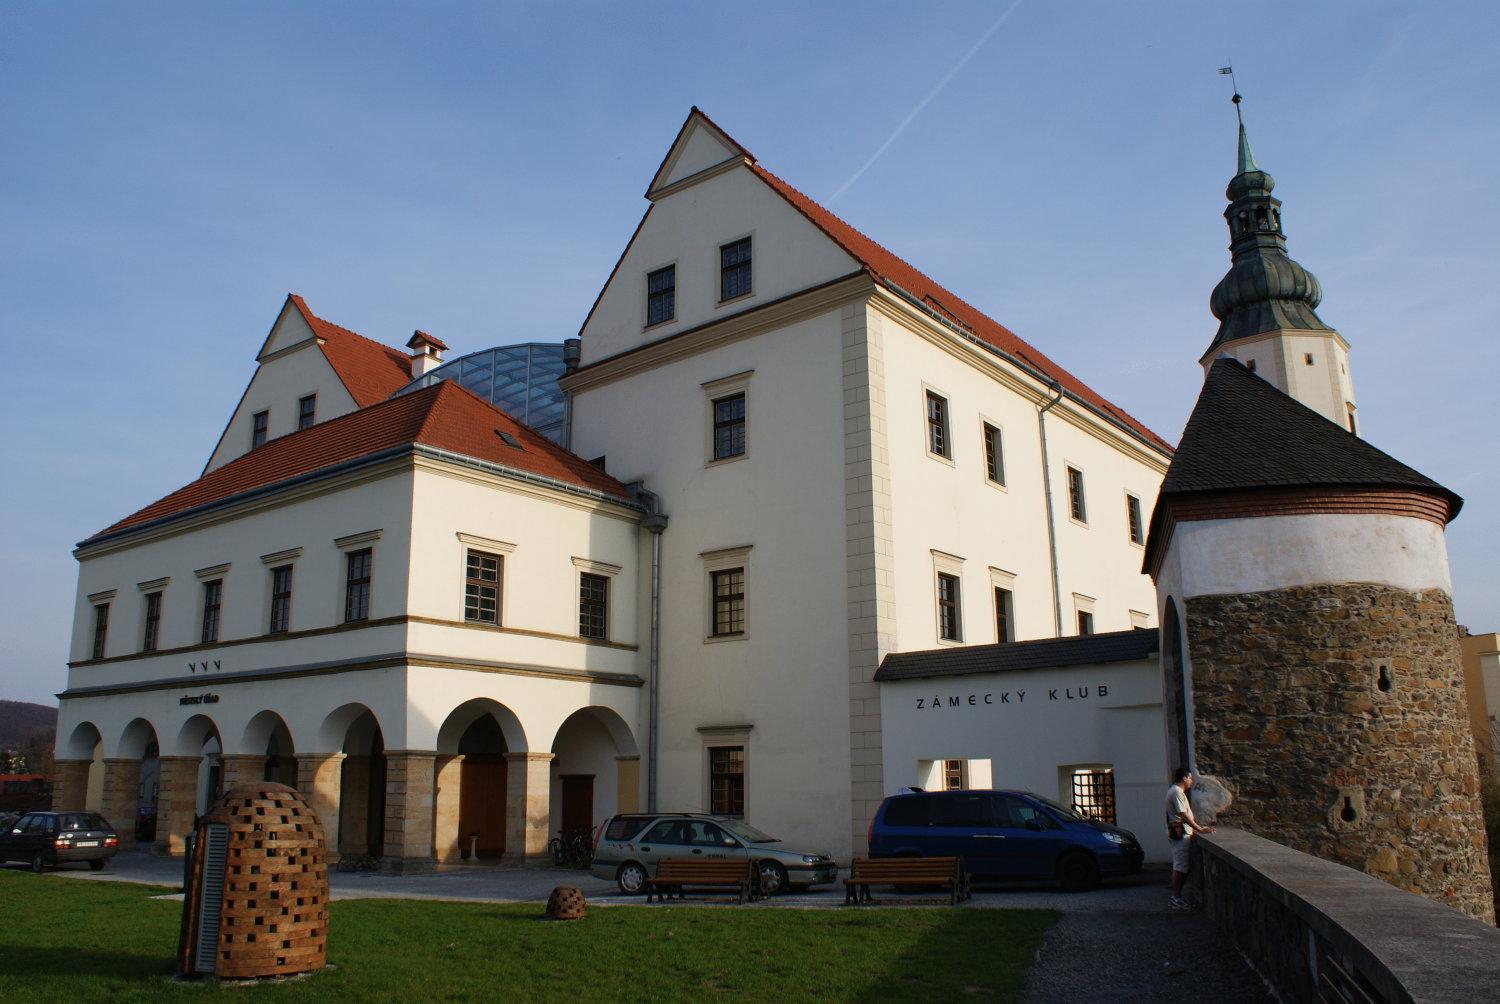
[256, 900]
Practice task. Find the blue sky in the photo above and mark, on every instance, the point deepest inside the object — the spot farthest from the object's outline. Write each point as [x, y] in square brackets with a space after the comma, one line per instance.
[168, 172]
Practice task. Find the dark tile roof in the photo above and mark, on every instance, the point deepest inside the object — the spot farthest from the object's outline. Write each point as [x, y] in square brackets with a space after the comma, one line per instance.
[1246, 434]
[1044, 653]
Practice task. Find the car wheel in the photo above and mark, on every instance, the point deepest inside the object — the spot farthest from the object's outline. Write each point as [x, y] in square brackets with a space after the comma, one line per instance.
[1078, 872]
[39, 862]
[773, 878]
[631, 878]
[96, 865]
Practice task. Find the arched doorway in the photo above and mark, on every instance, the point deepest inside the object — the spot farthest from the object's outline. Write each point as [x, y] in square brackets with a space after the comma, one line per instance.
[138, 774]
[595, 770]
[267, 735]
[472, 777]
[1174, 685]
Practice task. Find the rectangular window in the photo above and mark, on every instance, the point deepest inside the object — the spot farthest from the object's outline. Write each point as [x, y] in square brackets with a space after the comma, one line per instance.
[994, 455]
[357, 586]
[1094, 794]
[661, 295]
[152, 633]
[1085, 622]
[947, 590]
[937, 424]
[482, 588]
[953, 775]
[729, 602]
[1003, 631]
[307, 410]
[729, 427]
[726, 780]
[281, 599]
[258, 423]
[1076, 508]
[101, 628]
[734, 269]
[593, 606]
[1133, 517]
[213, 593]
[1352, 427]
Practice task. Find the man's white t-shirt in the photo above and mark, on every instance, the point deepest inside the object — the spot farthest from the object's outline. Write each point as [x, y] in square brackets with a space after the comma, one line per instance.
[1177, 805]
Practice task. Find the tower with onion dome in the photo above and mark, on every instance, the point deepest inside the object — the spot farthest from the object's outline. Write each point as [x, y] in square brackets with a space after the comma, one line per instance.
[1267, 303]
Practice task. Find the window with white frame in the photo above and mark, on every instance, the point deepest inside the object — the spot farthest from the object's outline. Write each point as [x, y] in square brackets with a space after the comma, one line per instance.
[994, 455]
[661, 295]
[482, 584]
[1076, 505]
[735, 277]
[937, 426]
[593, 606]
[1133, 519]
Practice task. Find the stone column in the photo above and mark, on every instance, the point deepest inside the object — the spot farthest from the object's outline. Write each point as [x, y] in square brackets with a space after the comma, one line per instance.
[176, 803]
[447, 842]
[318, 777]
[627, 783]
[122, 781]
[408, 810]
[528, 807]
[70, 784]
[242, 768]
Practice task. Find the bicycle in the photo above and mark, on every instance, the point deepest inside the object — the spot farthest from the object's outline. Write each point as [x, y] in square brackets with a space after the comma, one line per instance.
[570, 850]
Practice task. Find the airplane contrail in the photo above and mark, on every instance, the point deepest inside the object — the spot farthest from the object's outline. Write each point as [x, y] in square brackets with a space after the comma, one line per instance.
[924, 102]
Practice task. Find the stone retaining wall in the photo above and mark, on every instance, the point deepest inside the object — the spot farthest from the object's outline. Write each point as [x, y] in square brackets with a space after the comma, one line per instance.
[1318, 930]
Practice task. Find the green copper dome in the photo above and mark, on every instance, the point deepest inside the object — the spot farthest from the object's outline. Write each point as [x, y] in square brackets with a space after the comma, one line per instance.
[1264, 289]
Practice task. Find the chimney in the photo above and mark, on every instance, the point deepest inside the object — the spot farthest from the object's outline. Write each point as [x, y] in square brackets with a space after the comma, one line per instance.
[572, 349]
[426, 353]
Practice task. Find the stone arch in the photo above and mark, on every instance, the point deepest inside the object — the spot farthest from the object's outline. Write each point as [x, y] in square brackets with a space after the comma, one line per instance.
[472, 776]
[595, 770]
[268, 735]
[195, 734]
[1175, 689]
[136, 740]
[82, 742]
[355, 731]
[462, 718]
[334, 731]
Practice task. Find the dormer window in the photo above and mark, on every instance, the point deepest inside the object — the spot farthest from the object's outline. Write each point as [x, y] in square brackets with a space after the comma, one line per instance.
[734, 270]
[307, 410]
[661, 295]
[258, 424]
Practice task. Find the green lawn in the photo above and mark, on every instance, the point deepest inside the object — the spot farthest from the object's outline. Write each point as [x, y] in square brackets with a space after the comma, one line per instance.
[81, 941]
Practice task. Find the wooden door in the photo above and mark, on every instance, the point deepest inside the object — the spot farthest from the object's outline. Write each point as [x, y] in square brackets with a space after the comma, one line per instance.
[578, 803]
[481, 802]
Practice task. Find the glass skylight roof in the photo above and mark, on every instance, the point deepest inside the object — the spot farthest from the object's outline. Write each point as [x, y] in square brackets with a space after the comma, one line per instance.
[520, 380]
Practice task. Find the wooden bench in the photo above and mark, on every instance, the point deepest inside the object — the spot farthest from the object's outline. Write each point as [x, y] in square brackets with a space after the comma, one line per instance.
[936, 873]
[674, 875]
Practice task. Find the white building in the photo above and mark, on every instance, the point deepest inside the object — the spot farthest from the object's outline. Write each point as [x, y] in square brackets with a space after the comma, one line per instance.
[816, 457]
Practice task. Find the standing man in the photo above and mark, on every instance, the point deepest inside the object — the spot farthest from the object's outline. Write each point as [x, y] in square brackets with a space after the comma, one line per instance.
[1180, 829]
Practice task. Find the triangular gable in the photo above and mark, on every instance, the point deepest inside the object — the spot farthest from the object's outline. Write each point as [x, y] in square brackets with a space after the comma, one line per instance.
[700, 147]
[290, 328]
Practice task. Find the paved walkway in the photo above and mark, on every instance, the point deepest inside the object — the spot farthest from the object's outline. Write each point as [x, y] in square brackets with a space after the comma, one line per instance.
[1119, 942]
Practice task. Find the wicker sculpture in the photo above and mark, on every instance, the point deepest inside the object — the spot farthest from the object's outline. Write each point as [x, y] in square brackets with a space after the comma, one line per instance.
[257, 887]
[566, 903]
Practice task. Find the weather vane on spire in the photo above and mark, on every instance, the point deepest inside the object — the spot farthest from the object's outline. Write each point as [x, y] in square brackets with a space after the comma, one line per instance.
[1228, 71]
[1247, 158]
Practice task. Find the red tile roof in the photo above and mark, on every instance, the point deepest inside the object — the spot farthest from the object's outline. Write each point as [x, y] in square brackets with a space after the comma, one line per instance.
[444, 416]
[370, 372]
[885, 266]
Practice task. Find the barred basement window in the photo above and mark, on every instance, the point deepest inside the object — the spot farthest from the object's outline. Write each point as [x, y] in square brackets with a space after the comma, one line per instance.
[729, 427]
[734, 269]
[213, 594]
[1076, 507]
[258, 424]
[937, 425]
[1133, 518]
[729, 602]
[101, 628]
[281, 599]
[1094, 794]
[726, 780]
[947, 598]
[482, 587]
[593, 605]
[153, 623]
[661, 295]
[307, 410]
[357, 586]
[994, 456]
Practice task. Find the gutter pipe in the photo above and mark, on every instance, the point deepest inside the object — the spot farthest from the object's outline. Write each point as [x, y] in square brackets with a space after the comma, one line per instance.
[654, 522]
[1041, 428]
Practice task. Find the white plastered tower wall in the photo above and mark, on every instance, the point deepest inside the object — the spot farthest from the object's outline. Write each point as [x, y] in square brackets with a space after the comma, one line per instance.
[1309, 366]
[289, 367]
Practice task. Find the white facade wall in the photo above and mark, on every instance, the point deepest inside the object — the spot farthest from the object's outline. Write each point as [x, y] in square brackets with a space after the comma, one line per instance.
[951, 506]
[786, 678]
[1281, 358]
[1051, 721]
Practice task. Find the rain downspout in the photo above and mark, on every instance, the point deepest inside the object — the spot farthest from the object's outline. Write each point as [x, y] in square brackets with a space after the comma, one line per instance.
[1041, 426]
[654, 522]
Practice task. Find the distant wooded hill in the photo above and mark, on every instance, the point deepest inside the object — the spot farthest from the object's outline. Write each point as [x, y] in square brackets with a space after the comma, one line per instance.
[20, 721]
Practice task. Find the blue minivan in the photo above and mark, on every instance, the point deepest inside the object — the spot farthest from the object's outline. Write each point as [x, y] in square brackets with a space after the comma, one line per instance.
[1004, 835]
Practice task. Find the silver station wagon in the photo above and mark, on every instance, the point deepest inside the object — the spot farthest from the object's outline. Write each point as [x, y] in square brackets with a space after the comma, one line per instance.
[630, 845]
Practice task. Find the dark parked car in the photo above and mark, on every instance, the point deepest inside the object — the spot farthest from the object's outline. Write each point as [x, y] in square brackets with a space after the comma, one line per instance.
[1004, 835]
[47, 839]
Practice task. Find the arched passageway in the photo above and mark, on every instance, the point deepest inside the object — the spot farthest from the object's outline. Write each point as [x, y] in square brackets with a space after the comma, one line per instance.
[472, 790]
[269, 751]
[78, 769]
[361, 829]
[595, 771]
[132, 784]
